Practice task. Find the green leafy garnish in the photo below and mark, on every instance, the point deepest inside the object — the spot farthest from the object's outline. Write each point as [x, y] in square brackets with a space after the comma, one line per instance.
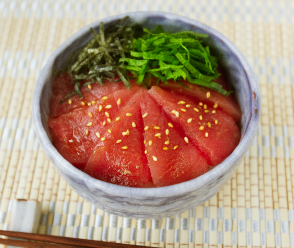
[173, 56]
[123, 47]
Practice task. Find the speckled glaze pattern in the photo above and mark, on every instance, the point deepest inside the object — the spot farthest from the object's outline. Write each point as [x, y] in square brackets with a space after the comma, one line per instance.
[164, 201]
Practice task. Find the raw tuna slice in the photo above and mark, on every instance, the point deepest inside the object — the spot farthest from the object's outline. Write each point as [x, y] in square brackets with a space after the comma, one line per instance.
[76, 133]
[61, 88]
[227, 103]
[119, 156]
[209, 128]
[170, 158]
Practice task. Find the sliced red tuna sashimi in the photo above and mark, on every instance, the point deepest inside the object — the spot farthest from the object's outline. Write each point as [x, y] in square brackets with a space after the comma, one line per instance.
[227, 103]
[119, 156]
[94, 92]
[170, 158]
[76, 133]
[213, 131]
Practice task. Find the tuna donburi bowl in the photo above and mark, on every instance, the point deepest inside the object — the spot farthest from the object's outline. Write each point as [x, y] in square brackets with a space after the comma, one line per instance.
[156, 112]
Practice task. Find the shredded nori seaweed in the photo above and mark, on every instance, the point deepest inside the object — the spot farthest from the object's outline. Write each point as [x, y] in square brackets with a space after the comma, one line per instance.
[99, 60]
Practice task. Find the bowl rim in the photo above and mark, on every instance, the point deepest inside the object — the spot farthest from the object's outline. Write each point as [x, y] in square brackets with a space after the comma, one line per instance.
[166, 191]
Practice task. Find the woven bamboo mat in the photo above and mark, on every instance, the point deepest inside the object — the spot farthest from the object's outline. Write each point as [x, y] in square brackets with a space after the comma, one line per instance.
[254, 209]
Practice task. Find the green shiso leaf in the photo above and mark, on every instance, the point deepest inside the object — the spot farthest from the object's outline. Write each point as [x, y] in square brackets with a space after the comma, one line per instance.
[175, 56]
[134, 62]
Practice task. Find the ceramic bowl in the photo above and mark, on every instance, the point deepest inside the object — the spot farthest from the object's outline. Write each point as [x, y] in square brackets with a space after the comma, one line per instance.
[164, 201]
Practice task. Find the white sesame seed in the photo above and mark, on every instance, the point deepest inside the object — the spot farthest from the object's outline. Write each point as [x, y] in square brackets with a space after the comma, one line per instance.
[216, 121]
[118, 141]
[100, 108]
[206, 134]
[109, 130]
[104, 98]
[201, 127]
[128, 114]
[104, 123]
[106, 113]
[188, 106]
[69, 101]
[186, 139]
[126, 133]
[83, 103]
[133, 124]
[126, 172]
[166, 131]
[157, 135]
[146, 128]
[118, 101]
[200, 117]
[183, 110]
[196, 109]
[109, 120]
[181, 102]
[124, 148]
[156, 127]
[90, 124]
[108, 106]
[117, 118]
[90, 114]
[103, 138]
[213, 111]
[208, 94]
[150, 142]
[145, 115]
[98, 135]
[208, 124]
[89, 86]
[87, 132]
[215, 105]
[200, 104]
[175, 147]
[189, 120]
[154, 158]
[165, 148]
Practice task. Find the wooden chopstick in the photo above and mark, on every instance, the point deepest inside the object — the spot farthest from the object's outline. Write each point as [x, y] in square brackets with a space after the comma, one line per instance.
[31, 244]
[34, 241]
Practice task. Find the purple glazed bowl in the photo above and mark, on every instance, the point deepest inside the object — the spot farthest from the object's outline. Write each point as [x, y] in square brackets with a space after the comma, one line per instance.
[164, 201]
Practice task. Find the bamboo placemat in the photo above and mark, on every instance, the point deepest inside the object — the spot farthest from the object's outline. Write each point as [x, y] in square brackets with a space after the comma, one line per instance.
[254, 209]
